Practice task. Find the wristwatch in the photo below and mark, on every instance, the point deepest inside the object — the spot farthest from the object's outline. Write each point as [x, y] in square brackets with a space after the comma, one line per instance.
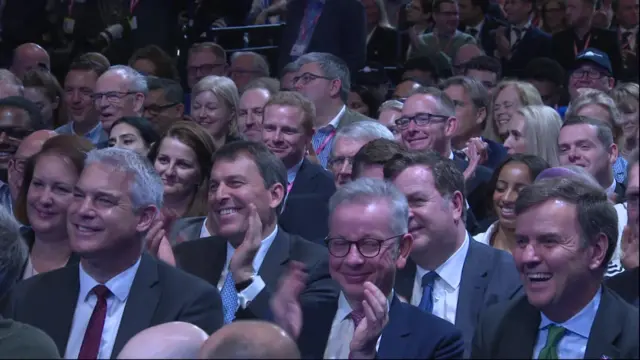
[244, 284]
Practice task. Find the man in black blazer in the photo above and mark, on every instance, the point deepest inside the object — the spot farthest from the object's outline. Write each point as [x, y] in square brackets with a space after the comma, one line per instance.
[250, 252]
[580, 35]
[339, 28]
[367, 241]
[449, 274]
[287, 130]
[567, 233]
[115, 286]
[476, 21]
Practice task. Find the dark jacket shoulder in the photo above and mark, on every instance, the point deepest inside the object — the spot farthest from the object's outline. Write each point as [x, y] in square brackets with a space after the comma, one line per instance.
[22, 341]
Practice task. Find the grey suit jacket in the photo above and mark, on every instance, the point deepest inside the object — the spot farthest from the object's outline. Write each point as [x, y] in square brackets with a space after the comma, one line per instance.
[185, 229]
[350, 117]
[489, 276]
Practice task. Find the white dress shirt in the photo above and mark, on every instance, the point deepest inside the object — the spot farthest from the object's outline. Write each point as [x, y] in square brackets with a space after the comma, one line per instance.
[204, 232]
[291, 178]
[342, 329]
[247, 295]
[120, 286]
[612, 188]
[446, 287]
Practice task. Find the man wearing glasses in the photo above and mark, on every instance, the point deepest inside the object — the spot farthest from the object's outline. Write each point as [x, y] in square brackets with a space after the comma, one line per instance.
[120, 91]
[163, 104]
[368, 240]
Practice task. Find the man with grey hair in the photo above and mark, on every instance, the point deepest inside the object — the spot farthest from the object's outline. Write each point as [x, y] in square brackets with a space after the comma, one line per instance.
[10, 85]
[246, 66]
[348, 141]
[19, 341]
[324, 79]
[429, 122]
[389, 111]
[119, 92]
[566, 233]
[117, 289]
[449, 274]
[368, 241]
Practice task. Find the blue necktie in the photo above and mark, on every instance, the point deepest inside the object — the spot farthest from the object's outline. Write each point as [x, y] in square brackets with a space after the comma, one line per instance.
[229, 298]
[426, 303]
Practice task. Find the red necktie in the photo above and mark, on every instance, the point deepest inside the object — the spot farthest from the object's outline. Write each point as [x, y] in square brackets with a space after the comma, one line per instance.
[356, 317]
[93, 334]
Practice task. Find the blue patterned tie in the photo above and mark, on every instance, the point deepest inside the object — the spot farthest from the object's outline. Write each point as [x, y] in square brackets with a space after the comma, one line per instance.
[426, 303]
[229, 298]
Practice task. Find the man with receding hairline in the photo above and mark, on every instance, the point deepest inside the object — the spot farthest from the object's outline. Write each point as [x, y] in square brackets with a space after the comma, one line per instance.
[29, 56]
[172, 340]
[250, 339]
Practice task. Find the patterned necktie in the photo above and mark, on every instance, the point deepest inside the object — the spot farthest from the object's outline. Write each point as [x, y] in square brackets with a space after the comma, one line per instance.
[550, 349]
[229, 297]
[93, 335]
[356, 317]
[426, 303]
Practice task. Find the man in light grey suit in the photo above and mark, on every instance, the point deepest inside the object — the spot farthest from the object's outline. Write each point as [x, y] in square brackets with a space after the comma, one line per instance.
[450, 274]
[324, 79]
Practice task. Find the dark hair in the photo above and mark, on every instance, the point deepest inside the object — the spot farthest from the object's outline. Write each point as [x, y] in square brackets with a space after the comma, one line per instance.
[201, 142]
[438, 3]
[447, 178]
[19, 102]
[163, 63]
[594, 212]
[171, 89]
[271, 168]
[482, 4]
[604, 132]
[484, 63]
[375, 152]
[421, 63]
[71, 147]
[427, 6]
[89, 62]
[368, 98]
[534, 163]
[52, 90]
[545, 69]
[144, 127]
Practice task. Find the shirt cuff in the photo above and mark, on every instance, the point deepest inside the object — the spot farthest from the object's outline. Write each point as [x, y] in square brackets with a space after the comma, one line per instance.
[247, 295]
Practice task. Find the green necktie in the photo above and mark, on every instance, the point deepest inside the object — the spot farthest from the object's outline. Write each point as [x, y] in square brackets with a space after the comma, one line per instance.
[550, 349]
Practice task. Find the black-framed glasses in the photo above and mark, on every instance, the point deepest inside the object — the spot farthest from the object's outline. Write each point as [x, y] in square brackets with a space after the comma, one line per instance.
[339, 161]
[309, 77]
[203, 69]
[591, 74]
[367, 247]
[154, 109]
[420, 119]
[113, 97]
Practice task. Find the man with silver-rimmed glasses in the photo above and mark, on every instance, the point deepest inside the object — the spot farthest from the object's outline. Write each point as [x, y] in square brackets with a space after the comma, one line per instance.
[368, 240]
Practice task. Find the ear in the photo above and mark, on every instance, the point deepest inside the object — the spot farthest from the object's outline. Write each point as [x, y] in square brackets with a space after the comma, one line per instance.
[276, 191]
[481, 116]
[451, 127]
[404, 249]
[612, 82]
[598, 251]
[457, 205]
[613, 153]
[147, 216]
[180, 109]
[138, 103]
[336, 86]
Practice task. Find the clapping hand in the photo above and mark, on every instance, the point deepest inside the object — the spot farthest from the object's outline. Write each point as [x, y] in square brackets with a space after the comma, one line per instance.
[156, 240]
[366, 335]
[285, 304]
[241, 264]
[629, 246]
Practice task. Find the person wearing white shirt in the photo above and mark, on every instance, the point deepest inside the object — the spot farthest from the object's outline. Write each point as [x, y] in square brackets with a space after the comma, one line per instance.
[368, 240]
[117, 290]
[244, 260]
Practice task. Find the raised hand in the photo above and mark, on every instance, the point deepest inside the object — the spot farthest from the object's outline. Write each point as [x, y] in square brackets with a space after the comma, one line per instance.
[629, 248]
[241, 265]
[376, 311]
[157, 243]
[285, 303]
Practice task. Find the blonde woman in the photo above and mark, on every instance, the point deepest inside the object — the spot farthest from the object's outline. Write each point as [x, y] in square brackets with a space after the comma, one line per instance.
[509, 97]
[627, 100]
[214, 105]
[534, 130]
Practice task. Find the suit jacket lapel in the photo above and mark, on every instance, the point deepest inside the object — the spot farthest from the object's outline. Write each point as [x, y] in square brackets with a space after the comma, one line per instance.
[605, 329]
[141, 303]
[404, 281]
[275, 258]
[396, 333]
[302, 178]
[519, 332]
[64, 298]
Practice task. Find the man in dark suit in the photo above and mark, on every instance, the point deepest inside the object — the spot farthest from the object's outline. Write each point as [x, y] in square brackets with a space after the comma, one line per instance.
[250, 252]
[477, 22]
[367, 241]
[337, 27]
[115, 287]
[626, 28]
[567, 233]
[580, 35]
[449, 274]
[428, 122]
[325, 79]
[287, 129]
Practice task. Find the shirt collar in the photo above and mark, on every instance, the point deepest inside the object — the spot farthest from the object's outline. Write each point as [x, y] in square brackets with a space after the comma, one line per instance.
[93, 134]
[451, 270]
[525, 27]
[119, 285]
[262, 251]
[612, 188]
[451, 155]
[333, 124]
[291, 173]
[204, 232]
[581, 322]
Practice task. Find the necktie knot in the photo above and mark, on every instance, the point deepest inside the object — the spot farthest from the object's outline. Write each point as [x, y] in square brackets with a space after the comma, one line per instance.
[356, 316]
[550, 349]
[101, 291]
[429, 278]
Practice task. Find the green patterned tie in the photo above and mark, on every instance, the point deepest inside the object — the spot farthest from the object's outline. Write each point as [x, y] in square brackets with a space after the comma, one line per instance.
[550, 349]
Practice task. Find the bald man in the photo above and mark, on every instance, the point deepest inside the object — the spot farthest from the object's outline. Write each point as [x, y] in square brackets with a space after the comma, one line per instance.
[465, 53]
[173, 340]
[250, 339]
[30, 146]
[29, 56]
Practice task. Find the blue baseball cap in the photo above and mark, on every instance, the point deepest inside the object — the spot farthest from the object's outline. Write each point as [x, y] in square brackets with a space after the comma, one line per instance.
[596, 57]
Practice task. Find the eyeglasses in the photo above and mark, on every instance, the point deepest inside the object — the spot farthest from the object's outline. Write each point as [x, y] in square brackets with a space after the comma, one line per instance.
[154, 109]
[591, 74]
[306, 78]
[113, 97]
[367, 247]
[339, 161]
[420, 119]
[203, 69]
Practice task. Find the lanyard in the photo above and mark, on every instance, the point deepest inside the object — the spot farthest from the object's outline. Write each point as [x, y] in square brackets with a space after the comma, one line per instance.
[325, 142]
[133, 5]
[586, 45]
[310, 21]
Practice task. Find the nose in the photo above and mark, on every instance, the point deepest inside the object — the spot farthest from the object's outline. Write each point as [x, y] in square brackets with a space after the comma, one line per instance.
[201, 113]
[573, 156]
[345, 168]
[353, 256]
[530, 255]
[171, 170]
[509, 196]
[221, 193]
[46, 197]
[85, 209]
[278, 136]
[75, 97]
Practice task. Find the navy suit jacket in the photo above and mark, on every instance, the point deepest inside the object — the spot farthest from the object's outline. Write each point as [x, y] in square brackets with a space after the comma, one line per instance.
[535, 43]
[306, 212]
[475, 188]
[341, 31]
[410, 334]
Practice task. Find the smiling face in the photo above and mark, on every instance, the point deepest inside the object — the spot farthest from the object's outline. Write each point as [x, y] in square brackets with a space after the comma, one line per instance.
[128, 137]
[388, 118]
[505, 105]
[212, 113]
[516, 142]
[284, 134]
[78, 87]
[433, 136]
[50, 193]
[341, 161]
[14, 127]
[250, 113]
[116, 99]
[177, 165]
[47, 107]
[512, 178]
